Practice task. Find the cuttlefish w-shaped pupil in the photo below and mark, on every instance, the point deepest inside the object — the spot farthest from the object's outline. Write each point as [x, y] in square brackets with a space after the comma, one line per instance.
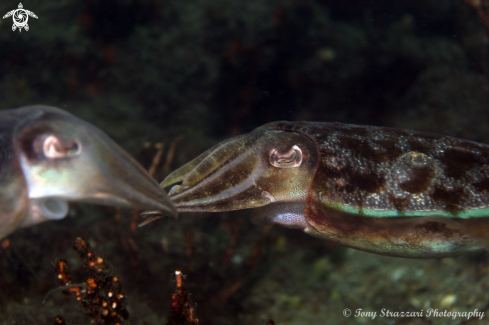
[53, 147]
[289, 159]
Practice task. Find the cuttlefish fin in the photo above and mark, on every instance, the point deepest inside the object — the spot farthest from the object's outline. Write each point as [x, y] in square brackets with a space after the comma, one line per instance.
[475, 228]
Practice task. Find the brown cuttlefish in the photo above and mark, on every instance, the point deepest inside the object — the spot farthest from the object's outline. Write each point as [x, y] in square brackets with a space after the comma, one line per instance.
[382, 190]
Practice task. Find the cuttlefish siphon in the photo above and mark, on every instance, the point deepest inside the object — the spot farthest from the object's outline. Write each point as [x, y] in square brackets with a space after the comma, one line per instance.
[49, 157]
[382, 190]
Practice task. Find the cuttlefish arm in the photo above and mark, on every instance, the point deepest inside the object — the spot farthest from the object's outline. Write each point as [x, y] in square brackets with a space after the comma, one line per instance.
[49, 157]
[382, 190]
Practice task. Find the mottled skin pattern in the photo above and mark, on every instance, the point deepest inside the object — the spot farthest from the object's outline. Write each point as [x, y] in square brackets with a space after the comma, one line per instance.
[396, 192]
[382, 190]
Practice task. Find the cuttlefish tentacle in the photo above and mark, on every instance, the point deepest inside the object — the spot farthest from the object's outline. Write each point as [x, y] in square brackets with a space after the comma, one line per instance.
[387, 191]
[49, 157]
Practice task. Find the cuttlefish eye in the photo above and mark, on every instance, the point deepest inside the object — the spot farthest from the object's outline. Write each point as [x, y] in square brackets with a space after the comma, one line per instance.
[289, 159]
[54, 148]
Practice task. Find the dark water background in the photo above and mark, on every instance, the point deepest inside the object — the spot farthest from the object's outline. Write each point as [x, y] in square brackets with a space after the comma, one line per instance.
[151, 72]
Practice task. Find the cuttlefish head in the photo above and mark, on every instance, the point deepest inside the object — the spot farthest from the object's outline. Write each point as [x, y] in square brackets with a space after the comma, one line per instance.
[249, 171]
[64, 158]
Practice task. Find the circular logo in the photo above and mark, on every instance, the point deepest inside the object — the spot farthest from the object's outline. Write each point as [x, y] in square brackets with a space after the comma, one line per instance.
[20, 18]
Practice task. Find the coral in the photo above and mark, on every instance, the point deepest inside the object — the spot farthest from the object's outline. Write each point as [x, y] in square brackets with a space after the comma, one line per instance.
[100, 295]
[107, 307]
[181, 307]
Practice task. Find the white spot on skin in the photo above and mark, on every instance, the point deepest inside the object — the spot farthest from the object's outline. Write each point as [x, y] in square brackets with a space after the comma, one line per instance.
[268, 196]
[287, 214]
[174, 190]
[290, 220]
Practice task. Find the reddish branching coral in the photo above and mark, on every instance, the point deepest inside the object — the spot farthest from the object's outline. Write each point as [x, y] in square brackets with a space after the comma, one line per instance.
[100, 295]
[182, 307]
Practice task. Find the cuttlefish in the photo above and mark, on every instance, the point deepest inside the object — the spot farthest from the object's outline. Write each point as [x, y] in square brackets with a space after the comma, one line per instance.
[382, 190]
[49, 157]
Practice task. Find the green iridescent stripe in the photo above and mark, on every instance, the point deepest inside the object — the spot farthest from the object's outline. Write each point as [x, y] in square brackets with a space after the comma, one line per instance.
[464, 214]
